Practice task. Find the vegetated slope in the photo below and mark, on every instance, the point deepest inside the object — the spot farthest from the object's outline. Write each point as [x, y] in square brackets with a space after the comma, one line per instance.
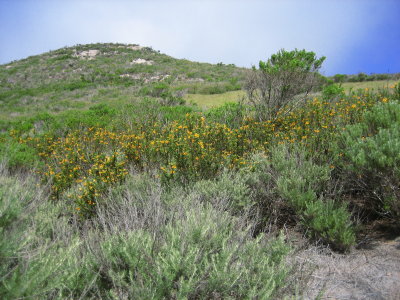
[75, 77]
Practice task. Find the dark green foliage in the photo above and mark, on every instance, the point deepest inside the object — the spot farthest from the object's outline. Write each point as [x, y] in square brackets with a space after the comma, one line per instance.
[292, 61]
[330, 222]
[340, 78]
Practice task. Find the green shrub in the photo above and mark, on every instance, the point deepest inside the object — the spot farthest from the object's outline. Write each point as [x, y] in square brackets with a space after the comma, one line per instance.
[329, 222]
[396, 91]
[175, 113]
[332, 91]
[340, 78]
[231, 187]
[371, 149]
[300, 181]
[284, 75]
[231, 114]
[18, 155]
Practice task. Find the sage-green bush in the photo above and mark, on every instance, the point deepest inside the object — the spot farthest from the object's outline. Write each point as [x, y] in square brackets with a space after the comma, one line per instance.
[200, 256]
[39, 259]
[230, 187]
[140, 245]
[371, 150]
[301, 183]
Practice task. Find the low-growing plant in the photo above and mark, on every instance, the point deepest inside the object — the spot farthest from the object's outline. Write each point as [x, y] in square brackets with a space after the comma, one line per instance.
[200, 255]
[230, 187]
[18, 155]
[40, 253]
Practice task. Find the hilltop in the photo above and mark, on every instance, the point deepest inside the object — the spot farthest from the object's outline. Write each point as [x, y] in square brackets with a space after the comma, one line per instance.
[79, 76]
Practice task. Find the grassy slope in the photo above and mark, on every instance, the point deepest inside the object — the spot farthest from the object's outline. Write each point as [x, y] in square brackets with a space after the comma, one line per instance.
[60, 80]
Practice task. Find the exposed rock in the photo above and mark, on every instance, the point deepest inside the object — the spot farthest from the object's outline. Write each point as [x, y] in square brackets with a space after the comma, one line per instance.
[135, 48]
[89, 54]
[156, 78]
[184, 78]
[141, 61]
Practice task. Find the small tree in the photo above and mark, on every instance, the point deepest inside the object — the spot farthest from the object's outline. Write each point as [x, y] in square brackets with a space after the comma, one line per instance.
[286, 74]
[340, 78]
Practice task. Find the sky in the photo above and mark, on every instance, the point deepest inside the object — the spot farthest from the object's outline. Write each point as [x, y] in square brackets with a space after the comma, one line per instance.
[354, 35]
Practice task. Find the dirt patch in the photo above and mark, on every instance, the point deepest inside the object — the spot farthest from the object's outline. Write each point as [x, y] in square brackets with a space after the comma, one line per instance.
[370, 272]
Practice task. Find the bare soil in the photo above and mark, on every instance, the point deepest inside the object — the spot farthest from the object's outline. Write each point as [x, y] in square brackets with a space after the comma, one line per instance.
[370, 271]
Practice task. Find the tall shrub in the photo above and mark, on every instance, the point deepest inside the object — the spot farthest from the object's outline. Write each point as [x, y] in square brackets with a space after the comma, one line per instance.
[283, 76]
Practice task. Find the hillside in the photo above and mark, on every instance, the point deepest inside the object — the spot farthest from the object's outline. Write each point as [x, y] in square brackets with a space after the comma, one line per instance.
[79, 76]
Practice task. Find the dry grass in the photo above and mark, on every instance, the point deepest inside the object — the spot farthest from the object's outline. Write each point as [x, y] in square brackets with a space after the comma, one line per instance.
[369, 84]
[372, 272]
[208, 101]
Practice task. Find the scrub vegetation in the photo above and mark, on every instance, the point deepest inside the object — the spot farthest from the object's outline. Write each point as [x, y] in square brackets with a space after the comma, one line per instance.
[113, 187]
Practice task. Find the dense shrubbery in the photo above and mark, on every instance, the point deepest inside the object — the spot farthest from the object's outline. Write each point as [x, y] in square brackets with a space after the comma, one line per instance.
[91, 159]
[86, 162]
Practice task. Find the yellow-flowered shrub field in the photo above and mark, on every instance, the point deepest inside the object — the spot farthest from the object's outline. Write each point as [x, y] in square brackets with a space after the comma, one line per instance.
[85, 163]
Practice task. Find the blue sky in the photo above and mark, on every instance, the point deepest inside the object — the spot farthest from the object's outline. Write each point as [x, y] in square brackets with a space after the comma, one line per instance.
[354, 35]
